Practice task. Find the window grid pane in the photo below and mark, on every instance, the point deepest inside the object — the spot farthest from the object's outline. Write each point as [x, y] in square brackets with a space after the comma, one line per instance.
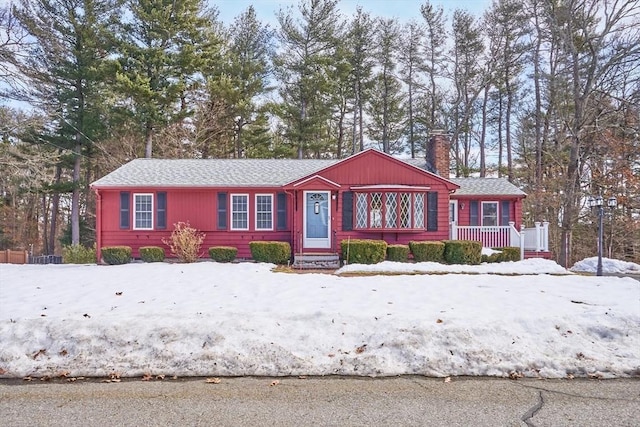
[418, 210]
[376, 210]
[391, 210]
[144, 211]
[264, 215]
[361, 210]
[240, 214]
[489, 214]
[405, 210]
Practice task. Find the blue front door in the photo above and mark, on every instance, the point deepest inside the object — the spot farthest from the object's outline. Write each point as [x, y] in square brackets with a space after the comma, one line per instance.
[317, 220]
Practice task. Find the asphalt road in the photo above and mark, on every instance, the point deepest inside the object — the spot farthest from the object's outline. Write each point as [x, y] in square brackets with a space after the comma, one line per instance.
[326, 401]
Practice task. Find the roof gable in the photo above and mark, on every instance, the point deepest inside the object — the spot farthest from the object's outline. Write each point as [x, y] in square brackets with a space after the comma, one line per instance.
[380, 168]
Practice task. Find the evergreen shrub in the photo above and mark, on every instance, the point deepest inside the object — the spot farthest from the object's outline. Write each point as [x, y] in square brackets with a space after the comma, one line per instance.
[427, 251]
[504, 254]
[151, 254]
[78, 254]
[398, 253]
[115, 255]
[363, 251]
[223, 253]
[272, 252]
[462, 252]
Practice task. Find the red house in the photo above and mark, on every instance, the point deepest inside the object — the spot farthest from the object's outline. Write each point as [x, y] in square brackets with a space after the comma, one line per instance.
[312, 204]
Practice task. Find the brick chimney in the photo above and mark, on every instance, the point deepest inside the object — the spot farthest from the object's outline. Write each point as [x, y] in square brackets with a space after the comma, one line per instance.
[438, 153]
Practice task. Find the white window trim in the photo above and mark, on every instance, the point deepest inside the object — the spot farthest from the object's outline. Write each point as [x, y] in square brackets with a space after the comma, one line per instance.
[256, 213]
[454, 204]
[135, 211]
[232, 211]
[482, 212]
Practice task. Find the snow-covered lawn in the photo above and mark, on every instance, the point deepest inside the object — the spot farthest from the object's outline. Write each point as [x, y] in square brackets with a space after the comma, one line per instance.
[210, 319]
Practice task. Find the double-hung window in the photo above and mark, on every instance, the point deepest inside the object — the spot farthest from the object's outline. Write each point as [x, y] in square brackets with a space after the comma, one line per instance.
[239, 211]
[489, 214]
[264, 211]
[143, 211]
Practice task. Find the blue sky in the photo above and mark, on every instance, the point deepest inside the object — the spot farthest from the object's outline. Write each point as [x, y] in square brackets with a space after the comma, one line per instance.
[404, 10]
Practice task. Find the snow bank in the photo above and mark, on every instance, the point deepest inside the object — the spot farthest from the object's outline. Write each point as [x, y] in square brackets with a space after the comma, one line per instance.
[210, 319]
[609, 266]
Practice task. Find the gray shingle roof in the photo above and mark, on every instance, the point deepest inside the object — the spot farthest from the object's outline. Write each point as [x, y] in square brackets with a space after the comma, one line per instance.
[211, 172]
[477, 186]
[258, 173]
[486, 187]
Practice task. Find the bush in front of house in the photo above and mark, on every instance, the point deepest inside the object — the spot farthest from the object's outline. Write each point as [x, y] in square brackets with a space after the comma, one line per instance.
[510, 253]
[398, 253]
[151, 254]
[185, 242]
[223, 253]
[504, 255]
[494, 257]
[78, 254]
[116, 255]
[462, 252]
[427, 251]
[272, 252]
[363, 251]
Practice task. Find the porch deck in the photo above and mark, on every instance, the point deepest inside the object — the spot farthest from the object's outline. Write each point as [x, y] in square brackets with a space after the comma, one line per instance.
[533, 242]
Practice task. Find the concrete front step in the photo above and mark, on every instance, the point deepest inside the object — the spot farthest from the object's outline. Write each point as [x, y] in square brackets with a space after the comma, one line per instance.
[320, 261]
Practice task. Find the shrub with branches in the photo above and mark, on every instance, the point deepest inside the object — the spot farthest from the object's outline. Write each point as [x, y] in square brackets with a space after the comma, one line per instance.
[185, 242]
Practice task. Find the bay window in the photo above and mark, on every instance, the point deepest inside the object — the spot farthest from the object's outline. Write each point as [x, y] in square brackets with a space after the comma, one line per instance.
[389, 210]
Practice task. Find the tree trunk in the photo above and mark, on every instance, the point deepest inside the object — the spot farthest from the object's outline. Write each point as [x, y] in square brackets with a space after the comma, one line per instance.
[148, 140]
[75, 196]
[55, 209]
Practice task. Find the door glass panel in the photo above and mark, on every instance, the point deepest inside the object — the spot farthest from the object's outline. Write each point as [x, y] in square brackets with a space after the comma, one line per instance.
[317, 215]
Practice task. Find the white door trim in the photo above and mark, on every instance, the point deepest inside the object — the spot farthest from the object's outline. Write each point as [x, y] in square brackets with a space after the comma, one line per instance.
[315, 242]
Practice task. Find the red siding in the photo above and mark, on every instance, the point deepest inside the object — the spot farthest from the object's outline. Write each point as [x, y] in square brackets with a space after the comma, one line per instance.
[464, 213]
[374, 168]
[199, 208]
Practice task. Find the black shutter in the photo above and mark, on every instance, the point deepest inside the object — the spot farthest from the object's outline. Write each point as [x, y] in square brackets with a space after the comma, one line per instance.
[504, 212]
[432, 211]
[222, 211]
[347, 211]
[473, 212]
[281, 210]
[124, 209]
[161, 210]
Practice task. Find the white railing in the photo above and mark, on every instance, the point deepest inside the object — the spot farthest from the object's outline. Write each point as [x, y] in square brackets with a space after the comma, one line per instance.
[530, 239]
[491, 237]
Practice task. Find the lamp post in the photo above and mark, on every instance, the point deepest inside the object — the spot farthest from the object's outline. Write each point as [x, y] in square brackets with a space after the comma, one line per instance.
[598, 203]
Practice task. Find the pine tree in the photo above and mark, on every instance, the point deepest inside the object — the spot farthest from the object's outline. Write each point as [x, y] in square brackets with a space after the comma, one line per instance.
[249, 67]
[360, 42]
[386, 107]
[308, 46]
[165, 47]
[413, 62]
[66, 72]
[435, 61]
[468, 81]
